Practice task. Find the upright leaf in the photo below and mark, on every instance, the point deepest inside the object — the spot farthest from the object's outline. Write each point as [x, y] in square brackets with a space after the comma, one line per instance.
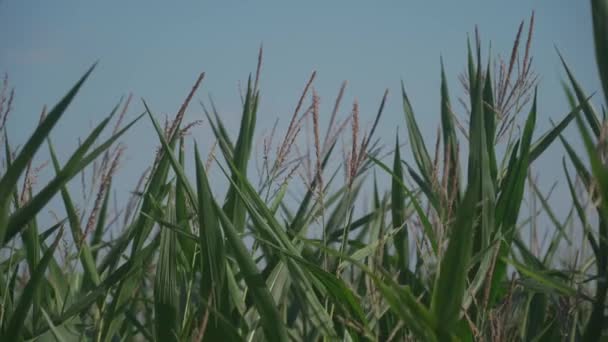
[18, 318]
[398, 212]
[10, 178]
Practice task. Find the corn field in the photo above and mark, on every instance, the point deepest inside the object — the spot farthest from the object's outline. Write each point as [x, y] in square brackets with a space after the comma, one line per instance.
[439, 254]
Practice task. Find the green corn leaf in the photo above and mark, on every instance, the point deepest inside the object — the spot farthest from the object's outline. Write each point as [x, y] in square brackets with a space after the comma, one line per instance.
[140, 328]
[113, 317]
[220, 131]
[18, 318]
[415, 316]
[398, 213]
[552, 216]
[450, 284]
[77, 162]
[450, 140]
[269, 314]
[472, 70]
[598, 170]
[9, 162]
[578, 164]
[334, 286]
[511, 197]
[600, 181]
[242, 151]
[599, 14]
[427, 189]
[143, 225]
[266, 225]
[536, 306]
[86, 258]
[222, 138]
[299, 221]
[581, 212]
[542, 279]
[126, 270]
[10, 178]
[590, 114]
[166, 301]
[411, 312]
[97, 237]
[181, 210]
[490, 123]
[33, 252]
[419, 150]
[211, 242]
[546, 139]
[428, 230]
[168, 150]
[56, 333]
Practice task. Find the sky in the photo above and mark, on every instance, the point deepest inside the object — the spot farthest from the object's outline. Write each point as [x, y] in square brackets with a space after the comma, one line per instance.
[155, 50]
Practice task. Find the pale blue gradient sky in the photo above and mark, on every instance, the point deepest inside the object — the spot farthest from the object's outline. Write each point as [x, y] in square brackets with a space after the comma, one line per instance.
[156, 48]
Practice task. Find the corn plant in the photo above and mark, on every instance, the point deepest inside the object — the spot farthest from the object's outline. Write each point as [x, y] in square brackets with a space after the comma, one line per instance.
[295, 252]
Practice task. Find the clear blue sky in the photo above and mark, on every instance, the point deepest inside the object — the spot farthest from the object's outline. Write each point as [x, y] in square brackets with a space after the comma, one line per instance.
[155, 49]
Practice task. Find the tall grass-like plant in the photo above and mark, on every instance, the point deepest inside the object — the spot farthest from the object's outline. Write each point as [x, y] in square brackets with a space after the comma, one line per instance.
[440, 255]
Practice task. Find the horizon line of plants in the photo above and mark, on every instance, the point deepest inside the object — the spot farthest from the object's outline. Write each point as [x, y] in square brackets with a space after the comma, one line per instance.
[440, 256]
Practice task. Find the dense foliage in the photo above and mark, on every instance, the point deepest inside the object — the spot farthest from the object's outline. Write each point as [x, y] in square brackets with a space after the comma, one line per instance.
[441, 255]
